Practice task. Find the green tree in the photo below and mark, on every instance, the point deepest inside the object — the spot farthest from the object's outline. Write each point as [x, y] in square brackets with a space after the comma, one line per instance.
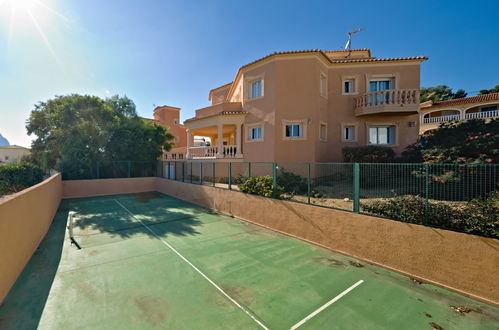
[440, 93]
[469, 142]
[489, 91]
[85, 129]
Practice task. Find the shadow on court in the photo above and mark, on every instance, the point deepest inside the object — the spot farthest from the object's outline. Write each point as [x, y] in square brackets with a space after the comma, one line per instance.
[23, 306]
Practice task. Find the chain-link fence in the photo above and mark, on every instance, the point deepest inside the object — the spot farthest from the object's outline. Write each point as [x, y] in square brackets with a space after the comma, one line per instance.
[452, 196]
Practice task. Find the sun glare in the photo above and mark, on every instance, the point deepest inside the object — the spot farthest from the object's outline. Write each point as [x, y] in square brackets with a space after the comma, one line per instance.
[21, 4]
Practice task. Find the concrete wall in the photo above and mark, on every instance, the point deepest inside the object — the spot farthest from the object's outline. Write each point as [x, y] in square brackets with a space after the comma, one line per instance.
[24, 220]
[460, 262]
[102, 187]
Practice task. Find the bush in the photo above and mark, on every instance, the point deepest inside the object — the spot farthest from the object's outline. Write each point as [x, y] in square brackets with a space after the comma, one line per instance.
[475, 217]
[368, 154]
[261, 185]
[16, 177]
[292, 183]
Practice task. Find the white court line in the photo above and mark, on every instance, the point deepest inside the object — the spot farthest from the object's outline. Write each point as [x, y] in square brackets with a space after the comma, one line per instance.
[195, 268]
[326, 305]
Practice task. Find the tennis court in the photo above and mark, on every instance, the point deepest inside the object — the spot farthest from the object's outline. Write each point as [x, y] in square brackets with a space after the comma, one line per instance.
[153, 261]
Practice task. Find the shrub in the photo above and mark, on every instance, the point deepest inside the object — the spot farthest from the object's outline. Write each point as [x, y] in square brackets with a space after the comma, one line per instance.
[474, 217]
[16, 177]
[292, 183]
[368, 154]
[261, 185]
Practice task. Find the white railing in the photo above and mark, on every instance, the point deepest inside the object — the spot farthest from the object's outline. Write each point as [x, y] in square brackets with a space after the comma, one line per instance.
[174, 155]
[485, 114]
[472, 115]
[397, 97]
[203, 152]
[229, 151]
[441, 119]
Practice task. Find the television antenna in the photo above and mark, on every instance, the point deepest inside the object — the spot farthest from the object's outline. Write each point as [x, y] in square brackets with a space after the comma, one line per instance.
[348, 45]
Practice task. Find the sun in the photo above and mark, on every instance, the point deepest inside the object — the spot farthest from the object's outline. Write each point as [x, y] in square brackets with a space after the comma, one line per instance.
[20, 4]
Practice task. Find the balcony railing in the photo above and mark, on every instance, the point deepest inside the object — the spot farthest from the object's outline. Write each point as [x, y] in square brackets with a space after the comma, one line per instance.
[391, 101]
[484, 114]
[174, 156]
[228, 151]
[472, 115]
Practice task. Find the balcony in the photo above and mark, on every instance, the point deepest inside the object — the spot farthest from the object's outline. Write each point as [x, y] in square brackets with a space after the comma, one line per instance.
[429, 123]
[227, 152]
[394, 101]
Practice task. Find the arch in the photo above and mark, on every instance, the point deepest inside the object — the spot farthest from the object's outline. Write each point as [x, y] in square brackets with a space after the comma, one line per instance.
[441, 109]
[496, 102]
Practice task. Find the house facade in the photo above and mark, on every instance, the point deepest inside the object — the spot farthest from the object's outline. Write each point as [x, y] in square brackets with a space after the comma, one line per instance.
[12, 154]
[170, 117]
[432, 114]
[305, 106]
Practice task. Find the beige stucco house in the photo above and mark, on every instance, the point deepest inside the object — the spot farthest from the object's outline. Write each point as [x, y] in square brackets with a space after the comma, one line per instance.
[432, 114]
[305, 106]
[12, 154]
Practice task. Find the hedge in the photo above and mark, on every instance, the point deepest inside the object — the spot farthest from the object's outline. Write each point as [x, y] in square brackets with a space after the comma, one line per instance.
[16, 177]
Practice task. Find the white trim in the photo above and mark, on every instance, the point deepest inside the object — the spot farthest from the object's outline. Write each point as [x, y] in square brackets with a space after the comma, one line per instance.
[248, 129]
[322, 123]
[326, 91]
[395, 135]
[302, 122]
[326, 305]
[248, 81]
[194, 267]
[355, 131]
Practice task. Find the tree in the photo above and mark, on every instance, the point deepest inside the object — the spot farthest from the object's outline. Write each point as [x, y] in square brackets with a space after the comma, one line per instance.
[489, 91]
[469, 142]
[440, 93]
[85, 129]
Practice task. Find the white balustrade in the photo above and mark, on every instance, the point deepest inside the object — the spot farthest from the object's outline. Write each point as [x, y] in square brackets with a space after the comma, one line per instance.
[441, 119]
[484, 114]
[396, 97]
[228, 151]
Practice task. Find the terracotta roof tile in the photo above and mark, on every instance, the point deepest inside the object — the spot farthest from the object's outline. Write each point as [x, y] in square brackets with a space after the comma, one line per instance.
[464, 100]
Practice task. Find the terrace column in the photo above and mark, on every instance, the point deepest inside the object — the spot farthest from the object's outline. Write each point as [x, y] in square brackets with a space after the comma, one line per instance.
[189, 144]
[238, 141]
[220, 138]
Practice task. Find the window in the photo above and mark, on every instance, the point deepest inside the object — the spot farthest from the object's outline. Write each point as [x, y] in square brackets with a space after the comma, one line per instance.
[348, 86]
[294, 131]
[255, 89]
[349, 133]
[256, 133]
[323, 132]
[323, 85]
[381, 135]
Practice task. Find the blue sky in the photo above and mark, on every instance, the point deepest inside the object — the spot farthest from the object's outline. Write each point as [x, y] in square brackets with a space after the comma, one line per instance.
[173, 52]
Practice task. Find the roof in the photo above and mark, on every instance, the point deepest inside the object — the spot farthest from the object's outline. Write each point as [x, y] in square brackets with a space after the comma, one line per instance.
[464, 100]
[324, 54]
[14, 147]
[220, 87]
[221, 113]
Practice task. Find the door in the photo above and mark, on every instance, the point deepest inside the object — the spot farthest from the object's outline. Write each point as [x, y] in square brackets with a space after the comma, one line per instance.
[379, 85]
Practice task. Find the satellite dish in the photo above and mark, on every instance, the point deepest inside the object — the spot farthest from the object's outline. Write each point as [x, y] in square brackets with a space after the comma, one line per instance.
[348, 45]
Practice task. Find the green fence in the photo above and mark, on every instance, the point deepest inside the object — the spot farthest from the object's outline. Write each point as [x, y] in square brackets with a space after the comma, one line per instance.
[451, 196]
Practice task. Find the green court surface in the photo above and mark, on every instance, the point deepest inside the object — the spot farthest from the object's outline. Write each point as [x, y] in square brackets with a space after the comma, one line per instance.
[150, 261]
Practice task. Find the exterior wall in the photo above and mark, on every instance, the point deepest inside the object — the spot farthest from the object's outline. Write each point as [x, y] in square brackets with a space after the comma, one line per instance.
[168, 116]
[219, 95]
[24, 220]
[12, 154]
[102, 187]
[406, 248]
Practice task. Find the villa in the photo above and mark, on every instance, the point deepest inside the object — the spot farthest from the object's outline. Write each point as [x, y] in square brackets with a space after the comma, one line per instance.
[305, 106]
[476, 107]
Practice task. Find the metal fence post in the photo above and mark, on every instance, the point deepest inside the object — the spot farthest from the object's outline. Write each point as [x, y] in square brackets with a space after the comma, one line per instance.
[129, 168]
[183, 171]
[191, 172]
[230, 175]
[308, 183]
[274, 179]
[427, 191]
[249, 169]
[98, 174]
[356, 187]
[214, 179]
[201, 173]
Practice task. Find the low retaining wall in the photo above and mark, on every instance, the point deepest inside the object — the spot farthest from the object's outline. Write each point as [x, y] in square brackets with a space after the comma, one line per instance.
[102, 187]
[25, 218]
[460, 262]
